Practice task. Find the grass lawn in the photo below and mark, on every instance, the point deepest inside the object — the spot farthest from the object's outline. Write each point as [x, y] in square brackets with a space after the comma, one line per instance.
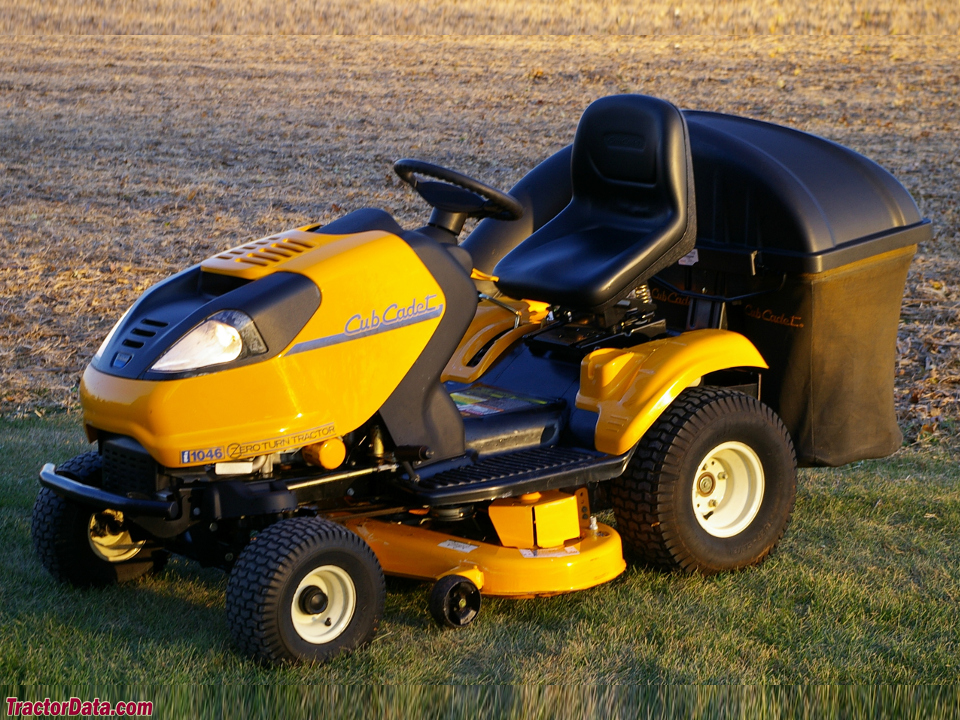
[863, 589]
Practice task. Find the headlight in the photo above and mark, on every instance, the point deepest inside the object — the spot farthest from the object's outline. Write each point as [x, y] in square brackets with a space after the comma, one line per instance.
[109, 337]
[221, 338]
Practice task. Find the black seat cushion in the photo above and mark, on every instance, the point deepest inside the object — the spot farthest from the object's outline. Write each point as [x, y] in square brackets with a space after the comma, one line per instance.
[632, 212]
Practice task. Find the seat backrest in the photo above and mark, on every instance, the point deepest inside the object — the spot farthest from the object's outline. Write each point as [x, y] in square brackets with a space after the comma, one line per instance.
[631, 215]
[630, 157]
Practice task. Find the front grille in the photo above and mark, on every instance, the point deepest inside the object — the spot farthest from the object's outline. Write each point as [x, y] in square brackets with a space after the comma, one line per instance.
[128, 469]
[137, 337]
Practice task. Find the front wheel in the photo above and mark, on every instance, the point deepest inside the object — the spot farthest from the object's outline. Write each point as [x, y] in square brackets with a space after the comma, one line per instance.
[711, 486]
[86, 547]
[304, 589]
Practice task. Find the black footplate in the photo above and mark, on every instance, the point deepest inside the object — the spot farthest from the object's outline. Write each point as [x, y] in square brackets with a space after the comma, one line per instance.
[515, 473]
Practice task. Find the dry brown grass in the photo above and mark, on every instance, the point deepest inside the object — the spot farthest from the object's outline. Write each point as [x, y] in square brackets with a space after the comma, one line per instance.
[560, 17]
[123, 160]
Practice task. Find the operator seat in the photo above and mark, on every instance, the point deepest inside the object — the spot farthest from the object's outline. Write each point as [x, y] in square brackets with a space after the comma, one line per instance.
[632, 212]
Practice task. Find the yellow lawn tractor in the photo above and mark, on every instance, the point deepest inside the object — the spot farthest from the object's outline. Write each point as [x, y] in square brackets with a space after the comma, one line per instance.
[325, 405]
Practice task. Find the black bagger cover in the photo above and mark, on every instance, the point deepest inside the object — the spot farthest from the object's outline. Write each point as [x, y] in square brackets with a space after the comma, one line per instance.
[806, 244]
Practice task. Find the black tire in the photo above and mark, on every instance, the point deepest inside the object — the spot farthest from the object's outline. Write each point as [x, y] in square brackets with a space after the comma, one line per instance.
[75, 543]
[454, 602]
[654, 500]
[273, 619]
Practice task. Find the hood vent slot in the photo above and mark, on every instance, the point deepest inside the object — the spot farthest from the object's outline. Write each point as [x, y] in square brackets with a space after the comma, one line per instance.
[255, 259]
[267, 251]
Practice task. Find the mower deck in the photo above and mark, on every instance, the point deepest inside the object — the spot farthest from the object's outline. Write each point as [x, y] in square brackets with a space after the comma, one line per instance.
[592, 559]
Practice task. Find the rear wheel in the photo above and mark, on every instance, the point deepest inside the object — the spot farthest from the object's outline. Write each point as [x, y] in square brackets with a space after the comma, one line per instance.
[304, 589]
[711, 486]
[88, 547]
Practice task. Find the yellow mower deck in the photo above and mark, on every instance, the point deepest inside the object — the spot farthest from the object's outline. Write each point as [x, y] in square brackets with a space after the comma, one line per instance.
[583, 562]
[549, 544]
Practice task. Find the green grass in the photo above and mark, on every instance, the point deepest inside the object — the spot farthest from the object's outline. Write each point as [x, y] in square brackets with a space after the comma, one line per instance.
[531, 703]
[863, 590]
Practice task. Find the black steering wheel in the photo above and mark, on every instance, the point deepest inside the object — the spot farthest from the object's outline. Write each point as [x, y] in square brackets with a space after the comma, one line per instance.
[456, 193]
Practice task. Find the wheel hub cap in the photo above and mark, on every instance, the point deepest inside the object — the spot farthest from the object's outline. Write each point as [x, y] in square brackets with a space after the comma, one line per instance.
[108, 538]
[728, 490]
[313, 600]
[463, 604]
[323, 604]
[706, 484]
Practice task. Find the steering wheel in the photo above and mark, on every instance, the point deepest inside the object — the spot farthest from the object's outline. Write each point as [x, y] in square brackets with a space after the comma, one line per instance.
[456, 193]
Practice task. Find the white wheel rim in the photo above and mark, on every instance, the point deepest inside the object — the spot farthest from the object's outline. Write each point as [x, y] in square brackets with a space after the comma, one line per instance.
[728, 489]
[341, 601]
[108, 545]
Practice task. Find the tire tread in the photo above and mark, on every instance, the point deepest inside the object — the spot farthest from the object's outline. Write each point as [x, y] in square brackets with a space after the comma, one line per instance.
[257, 578]
[55, 528]
[639, 496]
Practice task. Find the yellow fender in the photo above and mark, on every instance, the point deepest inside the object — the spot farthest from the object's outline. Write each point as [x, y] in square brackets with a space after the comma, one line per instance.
[630, 388]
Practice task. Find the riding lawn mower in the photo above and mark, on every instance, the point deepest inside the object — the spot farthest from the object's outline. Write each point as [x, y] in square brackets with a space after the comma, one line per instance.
[663, 319]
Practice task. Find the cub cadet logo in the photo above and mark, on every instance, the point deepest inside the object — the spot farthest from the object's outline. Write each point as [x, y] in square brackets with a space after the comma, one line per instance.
[278, 444]
[392, 315]
[671, 297]
[752, 311]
